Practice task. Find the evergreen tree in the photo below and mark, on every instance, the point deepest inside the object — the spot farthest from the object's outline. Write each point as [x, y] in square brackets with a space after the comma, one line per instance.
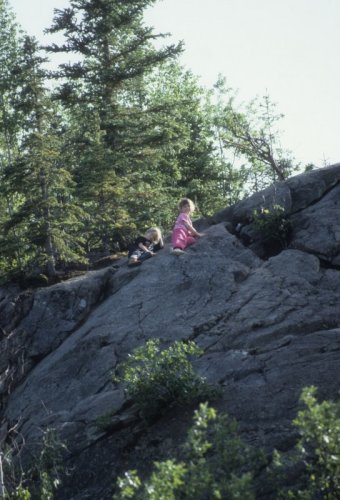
[45, 215]
[10, 125]
[202, 169]
[10, 50]
[187, 163]
[115, 50]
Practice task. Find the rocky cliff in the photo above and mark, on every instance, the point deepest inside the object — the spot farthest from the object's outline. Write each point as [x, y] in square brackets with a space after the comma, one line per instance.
[269, 326]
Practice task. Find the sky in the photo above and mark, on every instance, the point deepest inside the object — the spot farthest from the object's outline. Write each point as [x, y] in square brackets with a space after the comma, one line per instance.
[288, 49]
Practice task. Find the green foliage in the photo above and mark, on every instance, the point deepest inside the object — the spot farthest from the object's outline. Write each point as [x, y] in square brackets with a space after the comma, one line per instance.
[272, 225]
[20, 493]
[155, 378]
[253, 134]
[104, 422]
[11, 124]
[115, 130]
[42, 479]
[220, 462]
[318, 448]
[124, 134]
[191, 153]
[312, 467]
[44, 216]
[164, 482]
[216, 465]
[128, 485]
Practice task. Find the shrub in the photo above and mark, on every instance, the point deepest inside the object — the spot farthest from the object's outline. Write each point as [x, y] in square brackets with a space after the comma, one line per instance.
[155, 378]
[273, 225]
[318, 448]
[42, 479]
[217, 464]
[165, 480]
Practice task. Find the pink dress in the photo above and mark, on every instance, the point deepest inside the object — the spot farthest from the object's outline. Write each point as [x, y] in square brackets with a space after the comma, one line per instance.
[180, 235]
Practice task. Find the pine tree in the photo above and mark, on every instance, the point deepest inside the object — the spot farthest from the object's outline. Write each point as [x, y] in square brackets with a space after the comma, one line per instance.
[10, 125]
[116, 51]
[45, 215]
[190, 163]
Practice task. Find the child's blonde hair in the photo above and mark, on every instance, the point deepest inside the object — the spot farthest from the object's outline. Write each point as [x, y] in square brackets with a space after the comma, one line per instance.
[186, 202]
[154, 234]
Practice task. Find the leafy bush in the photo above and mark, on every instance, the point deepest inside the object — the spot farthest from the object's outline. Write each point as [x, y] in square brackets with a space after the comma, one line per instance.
[155, 378]
[164, 482]
[217, 464]
[272, 225]
[318, 449]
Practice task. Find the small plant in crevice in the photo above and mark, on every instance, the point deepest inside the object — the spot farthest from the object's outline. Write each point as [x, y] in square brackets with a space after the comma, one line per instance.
[273, 226]
[155, 378]
[106, 422]
[215, 464]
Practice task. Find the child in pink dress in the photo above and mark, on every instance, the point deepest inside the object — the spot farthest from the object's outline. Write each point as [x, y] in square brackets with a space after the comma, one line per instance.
[184, 234]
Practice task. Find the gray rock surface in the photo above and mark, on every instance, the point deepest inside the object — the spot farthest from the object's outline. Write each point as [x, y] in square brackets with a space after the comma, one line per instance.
[268, 327]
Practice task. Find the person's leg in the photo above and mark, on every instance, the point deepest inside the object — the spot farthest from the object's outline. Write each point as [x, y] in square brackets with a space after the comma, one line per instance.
[144, 256]
[134, 259]
[190, 240]
[178, 239]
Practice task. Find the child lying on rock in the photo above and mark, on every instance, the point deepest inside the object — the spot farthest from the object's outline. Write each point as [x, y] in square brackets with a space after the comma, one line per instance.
[145, 246]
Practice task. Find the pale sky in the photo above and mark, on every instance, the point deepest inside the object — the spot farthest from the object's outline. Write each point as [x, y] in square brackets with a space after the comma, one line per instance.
[289, 49]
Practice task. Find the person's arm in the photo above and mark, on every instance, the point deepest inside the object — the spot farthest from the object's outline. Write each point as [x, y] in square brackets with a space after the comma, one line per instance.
[141, 243]
[144, 248]
[192, 230]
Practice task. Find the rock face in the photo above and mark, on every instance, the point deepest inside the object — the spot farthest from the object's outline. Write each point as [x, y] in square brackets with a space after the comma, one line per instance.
[268, 327]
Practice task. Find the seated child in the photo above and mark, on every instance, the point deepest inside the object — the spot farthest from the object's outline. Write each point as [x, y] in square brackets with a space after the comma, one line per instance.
[145, 246]
[184, 234]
